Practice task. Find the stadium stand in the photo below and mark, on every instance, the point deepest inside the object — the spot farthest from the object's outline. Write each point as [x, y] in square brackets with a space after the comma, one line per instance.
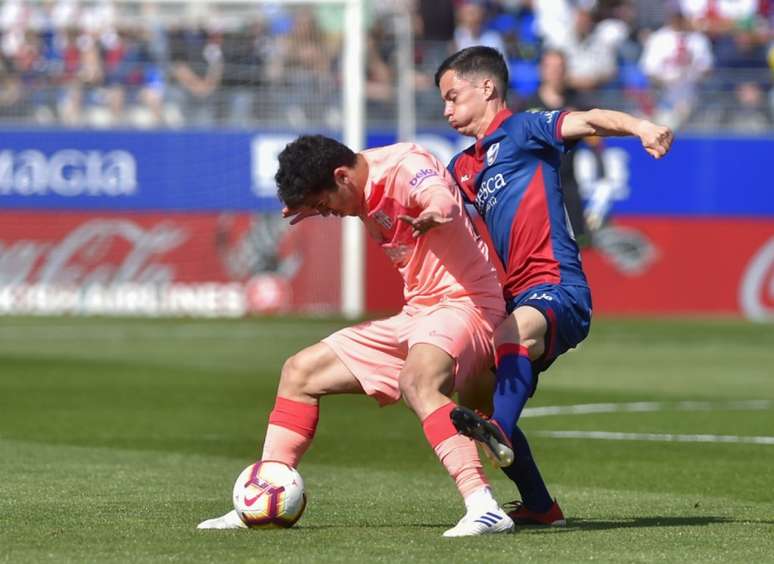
[694, 64]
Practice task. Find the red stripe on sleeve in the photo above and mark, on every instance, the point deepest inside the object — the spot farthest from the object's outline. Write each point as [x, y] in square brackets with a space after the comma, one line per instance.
[558, 127]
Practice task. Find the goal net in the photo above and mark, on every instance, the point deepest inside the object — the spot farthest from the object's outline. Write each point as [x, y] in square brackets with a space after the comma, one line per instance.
[139, 149]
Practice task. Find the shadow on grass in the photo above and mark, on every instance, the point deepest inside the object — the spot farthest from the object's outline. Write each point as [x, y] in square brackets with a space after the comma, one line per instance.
[580, 524]
[573, 525]
[378, 526]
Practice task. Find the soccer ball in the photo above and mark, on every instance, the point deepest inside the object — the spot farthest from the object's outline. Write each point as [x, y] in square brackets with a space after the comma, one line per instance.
[269, 494]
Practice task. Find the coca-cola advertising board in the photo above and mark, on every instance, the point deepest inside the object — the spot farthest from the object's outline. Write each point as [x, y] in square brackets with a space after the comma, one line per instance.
[198, 264]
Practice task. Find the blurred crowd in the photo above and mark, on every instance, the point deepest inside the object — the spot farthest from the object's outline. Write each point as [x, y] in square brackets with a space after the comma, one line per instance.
[101, 63]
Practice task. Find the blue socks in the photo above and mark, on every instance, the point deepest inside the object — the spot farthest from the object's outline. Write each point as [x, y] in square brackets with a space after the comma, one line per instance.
[513, 385]
[525, 474]
[512, 390]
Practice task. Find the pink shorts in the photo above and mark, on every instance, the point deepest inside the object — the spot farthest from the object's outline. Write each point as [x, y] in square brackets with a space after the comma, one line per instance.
[375, 351]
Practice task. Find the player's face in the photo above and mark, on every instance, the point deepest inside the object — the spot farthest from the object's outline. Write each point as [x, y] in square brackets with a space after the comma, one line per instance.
[342, 200]
[464, 102]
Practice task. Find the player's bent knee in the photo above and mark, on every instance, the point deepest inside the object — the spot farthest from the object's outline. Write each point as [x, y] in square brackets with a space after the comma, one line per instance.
[296, 375]
[409, 385]
[417, 386]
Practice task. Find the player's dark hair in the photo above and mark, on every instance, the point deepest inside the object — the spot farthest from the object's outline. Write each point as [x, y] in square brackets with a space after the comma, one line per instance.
[306, 168]
[478, 60]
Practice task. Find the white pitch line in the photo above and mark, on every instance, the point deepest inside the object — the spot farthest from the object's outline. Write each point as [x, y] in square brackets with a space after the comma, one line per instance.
[645, 406]
[669, 438]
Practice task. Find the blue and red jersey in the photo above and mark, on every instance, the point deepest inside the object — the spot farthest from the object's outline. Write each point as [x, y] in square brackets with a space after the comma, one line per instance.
[511, 175]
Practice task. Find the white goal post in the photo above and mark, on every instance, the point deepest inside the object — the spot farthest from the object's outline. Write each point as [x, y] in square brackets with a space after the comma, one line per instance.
[353, 234]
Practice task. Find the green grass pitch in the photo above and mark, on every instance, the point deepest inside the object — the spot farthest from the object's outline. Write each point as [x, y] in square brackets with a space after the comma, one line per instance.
[118, 436]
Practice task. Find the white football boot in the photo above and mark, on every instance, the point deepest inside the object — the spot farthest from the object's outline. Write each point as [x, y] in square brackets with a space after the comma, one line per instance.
[476, 523]
[483, 517]
[228, 521]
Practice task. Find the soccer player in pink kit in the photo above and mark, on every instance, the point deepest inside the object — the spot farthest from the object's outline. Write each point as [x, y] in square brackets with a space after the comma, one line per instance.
[443, 335]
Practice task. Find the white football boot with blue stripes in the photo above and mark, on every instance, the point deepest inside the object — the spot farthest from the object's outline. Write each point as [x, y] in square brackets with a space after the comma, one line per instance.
[484, 516]
[482, 523]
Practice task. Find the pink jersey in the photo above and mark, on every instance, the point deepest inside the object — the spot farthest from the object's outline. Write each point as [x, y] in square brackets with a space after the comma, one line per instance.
[449, 262]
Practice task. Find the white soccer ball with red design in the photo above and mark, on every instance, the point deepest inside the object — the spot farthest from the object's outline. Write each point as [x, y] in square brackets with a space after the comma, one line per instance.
[269, 494]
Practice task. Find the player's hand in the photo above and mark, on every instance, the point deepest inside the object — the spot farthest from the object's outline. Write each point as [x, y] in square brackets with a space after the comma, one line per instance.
[656, 139]
[299, 214]
[425, 221]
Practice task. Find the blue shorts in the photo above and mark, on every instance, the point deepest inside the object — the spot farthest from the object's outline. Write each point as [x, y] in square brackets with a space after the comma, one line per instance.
[567, 309]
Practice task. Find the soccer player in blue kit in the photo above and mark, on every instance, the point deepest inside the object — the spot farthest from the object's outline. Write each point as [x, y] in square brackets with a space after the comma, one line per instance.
[511, 176]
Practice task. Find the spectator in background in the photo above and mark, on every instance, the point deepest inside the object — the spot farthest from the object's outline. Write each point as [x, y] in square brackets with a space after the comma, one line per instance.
[10, 89]
[554, 20]
[301, 71]
[676, 59]
[471, 30]
[245, 54]
[591, 52]
[133, 77]
[718, 18]
[741, 71]
[555, 94]
[27, 72]
[621, 26]
[82, 74]
[435, 31]
[434, 25]
[379, 75]
[750, 112]
[197, 70]
[770, 58]
[649, 15]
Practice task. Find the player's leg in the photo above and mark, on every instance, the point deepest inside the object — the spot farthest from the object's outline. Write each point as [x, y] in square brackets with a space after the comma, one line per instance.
[565, 314]
[477, 400]
[516, 383]
[306, 376]
[476, 393]
[445, 342]
[518, 340]
[426, 384]
[518, 344]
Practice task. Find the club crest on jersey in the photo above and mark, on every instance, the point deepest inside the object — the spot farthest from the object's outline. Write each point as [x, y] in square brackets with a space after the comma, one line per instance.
[383, 219]
[491, 154]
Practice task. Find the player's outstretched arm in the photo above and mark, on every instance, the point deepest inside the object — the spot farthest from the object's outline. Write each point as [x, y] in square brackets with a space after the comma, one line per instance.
[438, 208]
[656, 139]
